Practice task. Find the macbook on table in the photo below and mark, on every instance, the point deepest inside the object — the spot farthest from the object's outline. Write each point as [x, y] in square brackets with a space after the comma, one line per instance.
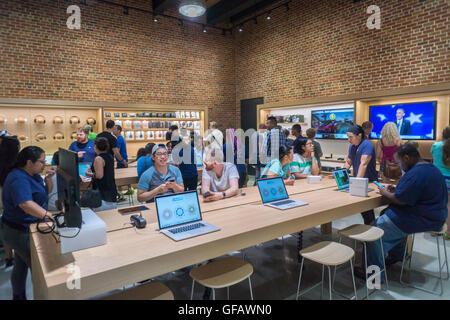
[273, 194]
[179, 216]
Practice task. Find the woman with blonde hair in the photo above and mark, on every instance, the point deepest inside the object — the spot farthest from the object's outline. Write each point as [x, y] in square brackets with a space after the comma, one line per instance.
[389, 142]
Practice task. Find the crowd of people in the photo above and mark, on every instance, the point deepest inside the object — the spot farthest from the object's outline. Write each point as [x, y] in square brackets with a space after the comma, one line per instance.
[419, 202]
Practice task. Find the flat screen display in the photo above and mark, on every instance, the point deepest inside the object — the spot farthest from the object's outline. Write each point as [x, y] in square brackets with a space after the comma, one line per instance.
[414, 121]
[332, 124]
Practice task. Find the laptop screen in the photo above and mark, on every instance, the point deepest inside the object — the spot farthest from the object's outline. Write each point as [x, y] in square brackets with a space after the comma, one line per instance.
[272, 189]
[178, 208]
[342, 178]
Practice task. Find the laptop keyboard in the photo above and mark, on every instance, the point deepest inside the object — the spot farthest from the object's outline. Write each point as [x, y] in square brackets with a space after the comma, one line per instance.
[187, 228]
[280, 203]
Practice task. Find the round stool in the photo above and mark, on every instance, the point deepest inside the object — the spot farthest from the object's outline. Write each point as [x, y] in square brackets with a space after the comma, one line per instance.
[222, 273]
[409, 248]
[365, 233]
[149, 291]
[327, 253]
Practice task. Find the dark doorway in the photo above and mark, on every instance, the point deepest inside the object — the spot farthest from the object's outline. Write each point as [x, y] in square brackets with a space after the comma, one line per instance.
[248, 121]
[248, 113]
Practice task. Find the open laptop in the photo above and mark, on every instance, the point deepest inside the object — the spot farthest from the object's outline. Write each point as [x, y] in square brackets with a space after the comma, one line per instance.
[343, 180]
[273, 194]
[179, 216]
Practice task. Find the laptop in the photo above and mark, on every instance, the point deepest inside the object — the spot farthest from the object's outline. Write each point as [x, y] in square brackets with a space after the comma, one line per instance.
[179, 216]
[343, 180]
[273, 194]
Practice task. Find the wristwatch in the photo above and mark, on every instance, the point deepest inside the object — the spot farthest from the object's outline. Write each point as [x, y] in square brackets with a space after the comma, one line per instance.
[224, 195]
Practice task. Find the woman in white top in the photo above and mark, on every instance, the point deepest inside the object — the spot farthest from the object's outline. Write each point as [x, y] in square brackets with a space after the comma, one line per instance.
[304, 163]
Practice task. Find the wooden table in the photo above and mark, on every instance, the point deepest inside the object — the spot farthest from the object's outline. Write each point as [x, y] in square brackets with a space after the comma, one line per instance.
[129, 257]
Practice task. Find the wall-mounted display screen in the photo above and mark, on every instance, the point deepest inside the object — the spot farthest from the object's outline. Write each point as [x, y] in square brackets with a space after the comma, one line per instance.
[414, 121]
[332, 124]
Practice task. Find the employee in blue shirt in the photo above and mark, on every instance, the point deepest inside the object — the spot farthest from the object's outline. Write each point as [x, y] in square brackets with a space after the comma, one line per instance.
[145, 162]
[25, 196]
[361, 156]
[183, 155]
[121, 145]
[418, 204]
[83, 146]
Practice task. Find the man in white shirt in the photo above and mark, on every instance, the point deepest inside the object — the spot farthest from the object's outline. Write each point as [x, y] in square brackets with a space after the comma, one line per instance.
[215, 137]
[220, 179]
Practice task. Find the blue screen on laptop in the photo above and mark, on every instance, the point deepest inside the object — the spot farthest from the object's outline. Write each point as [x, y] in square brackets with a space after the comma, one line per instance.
[342, 178]
[177, 209]
[272, 190]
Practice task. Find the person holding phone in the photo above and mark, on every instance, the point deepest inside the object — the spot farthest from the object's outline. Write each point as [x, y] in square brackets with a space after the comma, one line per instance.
[220, 179]
[162, 178]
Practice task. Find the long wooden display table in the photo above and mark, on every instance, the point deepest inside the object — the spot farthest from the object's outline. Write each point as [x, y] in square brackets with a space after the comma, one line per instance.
[129, 257]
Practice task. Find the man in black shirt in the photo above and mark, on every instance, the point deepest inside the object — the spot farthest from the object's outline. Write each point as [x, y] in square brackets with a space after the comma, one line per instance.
[113, 150]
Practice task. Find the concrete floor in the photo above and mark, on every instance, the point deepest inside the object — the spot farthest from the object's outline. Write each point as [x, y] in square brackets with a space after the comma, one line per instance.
[276, 272]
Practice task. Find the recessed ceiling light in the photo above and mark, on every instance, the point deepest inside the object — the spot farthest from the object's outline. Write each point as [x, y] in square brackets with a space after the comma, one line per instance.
[192, 8]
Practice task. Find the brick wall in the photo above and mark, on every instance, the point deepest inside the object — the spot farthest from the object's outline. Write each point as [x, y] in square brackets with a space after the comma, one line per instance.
[323, 48]
[114, 57]
[317, 48]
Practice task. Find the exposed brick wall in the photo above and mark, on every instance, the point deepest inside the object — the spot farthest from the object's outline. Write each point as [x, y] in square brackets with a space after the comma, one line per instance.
[317, 48]
[323, 48]
[114, 57]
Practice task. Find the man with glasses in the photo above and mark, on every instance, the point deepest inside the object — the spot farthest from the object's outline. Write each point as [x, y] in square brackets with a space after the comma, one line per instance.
[160, 179]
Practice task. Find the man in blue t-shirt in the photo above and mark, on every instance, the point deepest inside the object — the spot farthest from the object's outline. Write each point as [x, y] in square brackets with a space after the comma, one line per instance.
[418, 204]
[121, 145]
[160, 179]
[361, 156]
[83, 146]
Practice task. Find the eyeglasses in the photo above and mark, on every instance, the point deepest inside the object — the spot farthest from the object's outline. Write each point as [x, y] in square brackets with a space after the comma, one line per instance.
[310, 144]
[43, 162]
[161, 154]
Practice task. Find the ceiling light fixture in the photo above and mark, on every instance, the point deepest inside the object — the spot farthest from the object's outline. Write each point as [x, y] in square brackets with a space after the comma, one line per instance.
[192, 8]
[240, 28]
[204, 28]
[125, 10]
[268, 15]
[155, 18]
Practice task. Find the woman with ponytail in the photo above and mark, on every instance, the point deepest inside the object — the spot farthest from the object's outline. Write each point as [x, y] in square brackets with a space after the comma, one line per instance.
[441, 159]
[361, 156]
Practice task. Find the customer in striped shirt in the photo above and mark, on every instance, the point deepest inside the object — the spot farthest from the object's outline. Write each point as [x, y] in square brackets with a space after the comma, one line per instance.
[304, 163]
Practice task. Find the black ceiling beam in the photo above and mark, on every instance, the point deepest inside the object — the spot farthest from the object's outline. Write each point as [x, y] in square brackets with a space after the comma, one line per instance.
[162, 5]
[255, 8]
[226, 9]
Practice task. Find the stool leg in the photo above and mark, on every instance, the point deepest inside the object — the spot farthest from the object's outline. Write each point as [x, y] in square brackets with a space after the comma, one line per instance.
[384, 264]
[299, 278]
[329, 281]
[192, 290]
[403, 263]
[335, 267]
[445, 253]
[228, 293]
[323, 270]
[365, 271]
[250, 286]
[214, 294]
[353, 278]
[440, 269]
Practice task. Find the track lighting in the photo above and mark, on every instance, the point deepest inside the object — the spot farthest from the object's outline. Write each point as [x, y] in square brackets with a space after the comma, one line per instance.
[268, 15]
[155, 18]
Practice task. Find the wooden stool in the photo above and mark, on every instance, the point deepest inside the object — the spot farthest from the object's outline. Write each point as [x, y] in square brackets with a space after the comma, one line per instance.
[327, 253]
[149, 291]
[222, 273]
[438, 234]
[365, 233]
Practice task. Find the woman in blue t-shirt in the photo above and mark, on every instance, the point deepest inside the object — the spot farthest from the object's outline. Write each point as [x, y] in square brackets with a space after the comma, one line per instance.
[25, 196]
[441, 159]
[362, 157]
[280, 167]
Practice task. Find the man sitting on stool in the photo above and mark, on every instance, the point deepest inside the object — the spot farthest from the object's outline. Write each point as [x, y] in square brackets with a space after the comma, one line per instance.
[219, 179]
[418, 204]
